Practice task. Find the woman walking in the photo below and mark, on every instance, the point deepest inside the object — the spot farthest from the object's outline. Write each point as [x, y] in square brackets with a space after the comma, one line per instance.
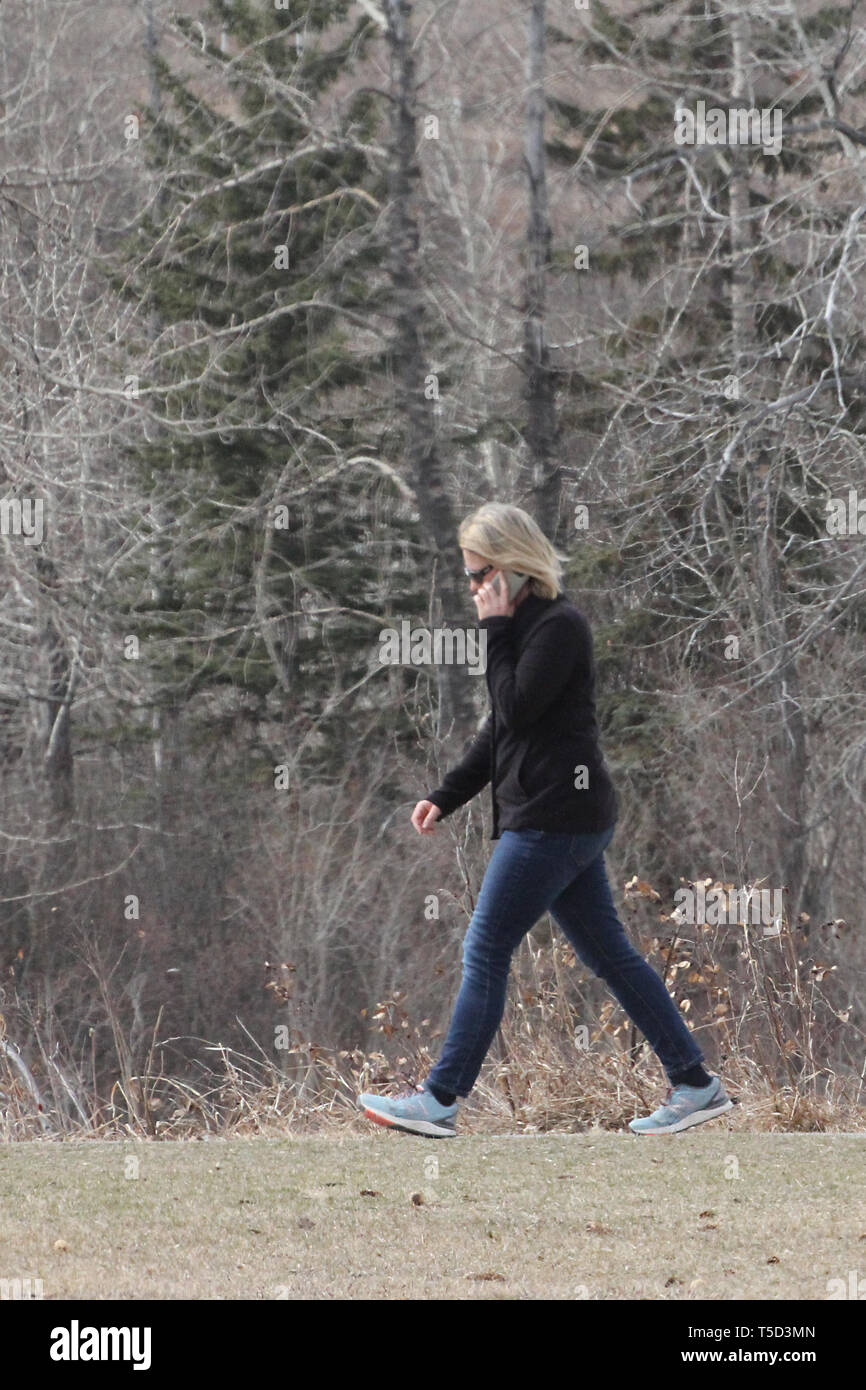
[554, 812]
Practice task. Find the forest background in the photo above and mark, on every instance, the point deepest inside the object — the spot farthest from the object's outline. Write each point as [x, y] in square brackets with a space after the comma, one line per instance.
[289, 288]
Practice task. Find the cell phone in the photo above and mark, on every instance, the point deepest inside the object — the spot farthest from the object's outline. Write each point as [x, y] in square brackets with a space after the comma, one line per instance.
[514, 582]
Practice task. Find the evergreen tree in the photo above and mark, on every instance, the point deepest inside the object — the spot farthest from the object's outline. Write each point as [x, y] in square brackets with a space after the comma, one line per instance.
[289, 535]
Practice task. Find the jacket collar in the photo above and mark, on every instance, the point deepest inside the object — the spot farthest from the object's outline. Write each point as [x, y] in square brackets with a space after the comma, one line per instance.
[532, 606]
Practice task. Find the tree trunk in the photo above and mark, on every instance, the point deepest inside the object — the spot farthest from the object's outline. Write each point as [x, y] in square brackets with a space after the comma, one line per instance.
[166, 715]
[56, 713]
[410, 368]
[785, 724]
[543, 471]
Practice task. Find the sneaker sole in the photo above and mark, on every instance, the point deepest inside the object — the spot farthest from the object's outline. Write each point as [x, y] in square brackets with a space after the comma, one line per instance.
[699, 1117]
[423, 1127]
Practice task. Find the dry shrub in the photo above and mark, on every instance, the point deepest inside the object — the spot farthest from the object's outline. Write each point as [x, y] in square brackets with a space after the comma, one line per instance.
[566, 1057]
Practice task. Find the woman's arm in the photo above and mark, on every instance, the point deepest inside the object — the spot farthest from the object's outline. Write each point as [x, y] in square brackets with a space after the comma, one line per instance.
[523, 689]
[470, 775]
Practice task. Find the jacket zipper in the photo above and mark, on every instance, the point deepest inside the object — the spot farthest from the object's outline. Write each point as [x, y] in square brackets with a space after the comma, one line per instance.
[493, 773]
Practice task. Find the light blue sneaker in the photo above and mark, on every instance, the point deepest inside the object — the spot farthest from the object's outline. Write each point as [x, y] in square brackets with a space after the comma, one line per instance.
[416, 1112]
[683, 1107]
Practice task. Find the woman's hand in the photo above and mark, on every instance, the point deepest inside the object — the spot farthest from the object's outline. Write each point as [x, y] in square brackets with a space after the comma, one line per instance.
[425, 816]
[491, 604]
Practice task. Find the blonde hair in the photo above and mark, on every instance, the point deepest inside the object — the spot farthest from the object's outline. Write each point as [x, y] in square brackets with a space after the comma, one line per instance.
[510, 538]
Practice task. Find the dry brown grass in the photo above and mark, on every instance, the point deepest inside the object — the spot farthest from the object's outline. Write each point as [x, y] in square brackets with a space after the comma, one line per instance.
[565, 1059]
[536, 1085]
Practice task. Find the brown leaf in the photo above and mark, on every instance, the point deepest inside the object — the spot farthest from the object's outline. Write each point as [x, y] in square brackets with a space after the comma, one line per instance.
[820, 969]
[598, 1229]
[640, 886]
[370, 1192]
[773, 1260]
[488, 1274]
[702, 1214]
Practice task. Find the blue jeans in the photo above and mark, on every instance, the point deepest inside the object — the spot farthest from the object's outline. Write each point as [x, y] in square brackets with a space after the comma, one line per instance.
[532, 872]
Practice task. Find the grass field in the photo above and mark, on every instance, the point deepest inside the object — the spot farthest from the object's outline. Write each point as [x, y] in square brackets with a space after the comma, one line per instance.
[382, 1215]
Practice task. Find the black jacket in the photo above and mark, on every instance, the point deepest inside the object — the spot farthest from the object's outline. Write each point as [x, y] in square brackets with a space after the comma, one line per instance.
[539, 744]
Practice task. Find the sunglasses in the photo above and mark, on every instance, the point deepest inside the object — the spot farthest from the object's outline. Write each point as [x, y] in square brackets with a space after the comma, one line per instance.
[478, 575]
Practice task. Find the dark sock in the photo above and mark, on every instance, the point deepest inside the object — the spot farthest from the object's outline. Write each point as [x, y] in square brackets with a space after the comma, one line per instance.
[443, 1097]
[695, 1076]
